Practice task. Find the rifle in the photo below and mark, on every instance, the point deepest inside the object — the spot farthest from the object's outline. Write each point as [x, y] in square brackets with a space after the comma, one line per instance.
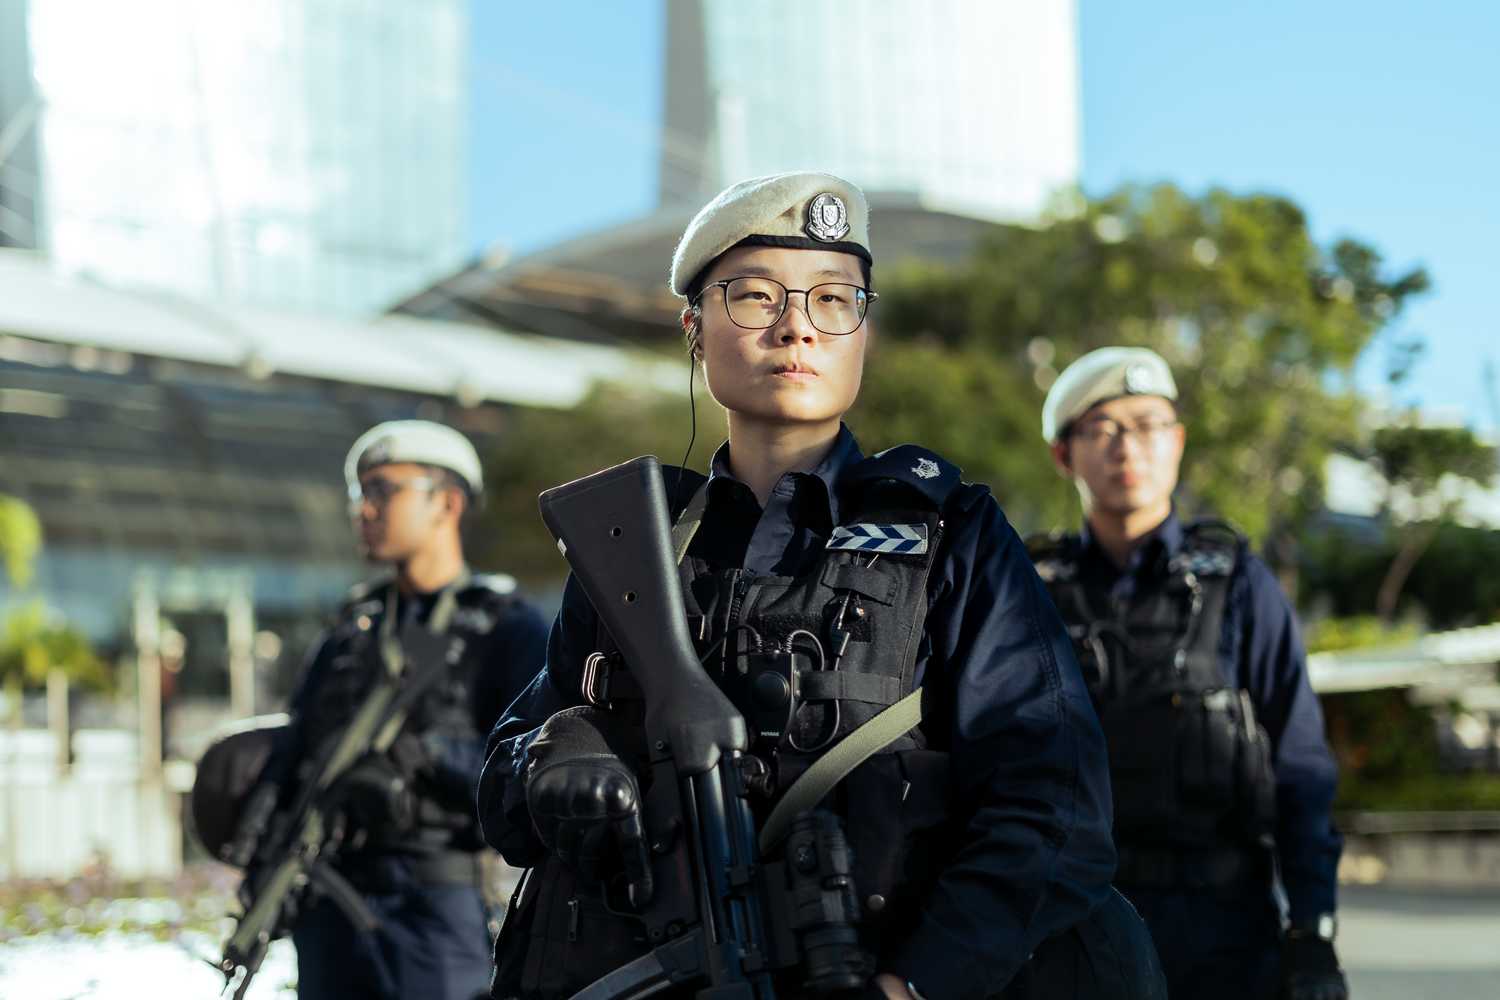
[716, 916]
[303, 844]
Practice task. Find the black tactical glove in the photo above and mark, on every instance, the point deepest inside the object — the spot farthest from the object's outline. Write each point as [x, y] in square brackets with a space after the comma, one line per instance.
[584, 800]
[1310, 969]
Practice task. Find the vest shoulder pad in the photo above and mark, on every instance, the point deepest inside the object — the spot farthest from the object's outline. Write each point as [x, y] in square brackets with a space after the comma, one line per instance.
[368, 590]
[926, 472]
[489, 585]
[1054, 554]
[1049, 545]
[1210, 548]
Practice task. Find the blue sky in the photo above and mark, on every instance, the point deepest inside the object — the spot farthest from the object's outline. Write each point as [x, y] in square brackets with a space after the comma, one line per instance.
[1381, 119]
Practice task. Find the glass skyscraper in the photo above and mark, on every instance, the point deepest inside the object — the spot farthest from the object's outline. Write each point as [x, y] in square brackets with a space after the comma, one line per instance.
[304, 154]
[969, 105]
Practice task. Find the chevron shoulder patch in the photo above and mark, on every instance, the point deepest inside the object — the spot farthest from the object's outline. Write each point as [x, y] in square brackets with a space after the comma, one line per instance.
[900, 539]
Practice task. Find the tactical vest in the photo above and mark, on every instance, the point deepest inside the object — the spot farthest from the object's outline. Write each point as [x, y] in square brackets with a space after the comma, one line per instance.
[807, 659]
[1189, 764]
[442, 716]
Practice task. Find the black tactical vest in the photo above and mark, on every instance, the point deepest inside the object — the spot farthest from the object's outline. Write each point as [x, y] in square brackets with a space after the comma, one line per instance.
[443, 714]
[1189, 764]
[806, 659]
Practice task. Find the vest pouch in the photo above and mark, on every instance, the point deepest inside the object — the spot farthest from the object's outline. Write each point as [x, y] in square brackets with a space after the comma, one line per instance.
[1209, 729]
[1255, 775]
[898, 824]
[570, 940]
[1143, 765]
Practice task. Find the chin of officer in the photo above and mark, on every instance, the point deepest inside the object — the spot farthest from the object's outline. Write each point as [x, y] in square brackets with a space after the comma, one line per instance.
[405, 834]
[1221, 775]
[979, 837]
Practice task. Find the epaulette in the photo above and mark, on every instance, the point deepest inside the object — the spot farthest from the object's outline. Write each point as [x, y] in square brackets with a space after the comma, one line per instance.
[931, 475]
[1210, 547]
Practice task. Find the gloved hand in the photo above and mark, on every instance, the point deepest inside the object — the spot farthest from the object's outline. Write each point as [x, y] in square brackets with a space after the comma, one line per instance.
[1310, 969]
[584, 800]
[376, 796]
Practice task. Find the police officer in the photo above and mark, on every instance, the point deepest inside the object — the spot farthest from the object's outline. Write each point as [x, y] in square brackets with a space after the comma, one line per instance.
[1194, 661]
[981, 836]
[412, 849]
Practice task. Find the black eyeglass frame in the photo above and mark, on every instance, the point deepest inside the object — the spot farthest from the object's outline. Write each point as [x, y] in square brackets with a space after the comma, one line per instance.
[724, 283]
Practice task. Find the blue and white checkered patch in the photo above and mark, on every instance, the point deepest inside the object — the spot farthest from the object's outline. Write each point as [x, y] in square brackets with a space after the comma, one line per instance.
[901, 539]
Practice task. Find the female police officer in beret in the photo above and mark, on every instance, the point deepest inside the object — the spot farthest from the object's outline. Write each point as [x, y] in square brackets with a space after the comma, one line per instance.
[982, 852]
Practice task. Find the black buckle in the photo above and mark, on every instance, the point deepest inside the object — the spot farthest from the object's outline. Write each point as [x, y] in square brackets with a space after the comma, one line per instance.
[595, 686]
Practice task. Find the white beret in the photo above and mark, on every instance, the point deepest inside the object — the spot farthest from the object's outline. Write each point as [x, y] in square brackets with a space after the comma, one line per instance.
[804, 211]
[1108, 373]
[419, 441]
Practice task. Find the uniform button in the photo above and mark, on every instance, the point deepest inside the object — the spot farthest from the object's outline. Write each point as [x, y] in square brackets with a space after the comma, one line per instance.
[876, 903]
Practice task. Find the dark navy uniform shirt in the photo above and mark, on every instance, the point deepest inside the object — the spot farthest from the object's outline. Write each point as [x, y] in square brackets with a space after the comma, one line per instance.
[1027, 754]
[1260, 651]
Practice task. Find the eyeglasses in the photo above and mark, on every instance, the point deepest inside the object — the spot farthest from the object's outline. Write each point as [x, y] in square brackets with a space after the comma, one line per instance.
[834, 308]
[379, 491]
[1106, 433]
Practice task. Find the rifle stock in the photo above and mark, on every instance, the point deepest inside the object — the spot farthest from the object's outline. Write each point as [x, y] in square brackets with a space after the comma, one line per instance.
[613, 529]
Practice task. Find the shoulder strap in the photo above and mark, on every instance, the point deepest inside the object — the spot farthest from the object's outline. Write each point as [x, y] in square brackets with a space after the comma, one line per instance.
[834, 766]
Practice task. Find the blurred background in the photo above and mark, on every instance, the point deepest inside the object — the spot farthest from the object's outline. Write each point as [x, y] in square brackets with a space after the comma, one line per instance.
[233, 236]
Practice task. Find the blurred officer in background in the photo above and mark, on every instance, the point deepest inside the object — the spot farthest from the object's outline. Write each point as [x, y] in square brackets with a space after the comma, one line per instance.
[1222, 777]
[412, 845]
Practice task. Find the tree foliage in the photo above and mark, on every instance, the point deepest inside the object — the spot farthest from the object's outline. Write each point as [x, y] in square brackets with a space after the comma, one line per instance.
[547, 447]
[1423, 465]
[34, 641]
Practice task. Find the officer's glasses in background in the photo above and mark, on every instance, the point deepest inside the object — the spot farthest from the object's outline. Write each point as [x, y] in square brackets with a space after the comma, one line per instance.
[1106, 433]
[834, 308]
[379, 491]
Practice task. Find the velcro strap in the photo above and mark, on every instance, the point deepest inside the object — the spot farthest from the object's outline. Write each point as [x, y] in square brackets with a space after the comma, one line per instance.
[846, 685]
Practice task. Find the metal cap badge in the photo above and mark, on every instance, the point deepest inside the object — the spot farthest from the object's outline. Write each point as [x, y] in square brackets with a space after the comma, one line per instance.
[827, 218]
[1138, 380]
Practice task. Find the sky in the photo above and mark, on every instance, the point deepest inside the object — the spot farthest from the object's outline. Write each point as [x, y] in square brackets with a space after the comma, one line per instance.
[1381, 119]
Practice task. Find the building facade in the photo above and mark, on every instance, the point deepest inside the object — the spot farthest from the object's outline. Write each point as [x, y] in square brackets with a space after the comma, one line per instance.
[970, 105]
[303, 154]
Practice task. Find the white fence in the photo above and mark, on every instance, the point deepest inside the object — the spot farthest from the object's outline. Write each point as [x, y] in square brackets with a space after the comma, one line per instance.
[56, 820]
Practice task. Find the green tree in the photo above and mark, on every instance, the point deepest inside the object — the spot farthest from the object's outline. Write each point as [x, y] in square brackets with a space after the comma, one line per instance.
[1426, 467]
[1262, 327]
[33, 641]
[547, 447]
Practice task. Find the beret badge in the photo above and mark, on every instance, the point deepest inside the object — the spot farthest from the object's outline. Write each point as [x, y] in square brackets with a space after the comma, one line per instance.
[827, 218]
[1138, 380]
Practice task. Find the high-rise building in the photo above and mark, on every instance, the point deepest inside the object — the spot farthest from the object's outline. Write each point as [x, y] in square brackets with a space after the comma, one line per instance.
[969, 105]
[19, 201]
[306, 154]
